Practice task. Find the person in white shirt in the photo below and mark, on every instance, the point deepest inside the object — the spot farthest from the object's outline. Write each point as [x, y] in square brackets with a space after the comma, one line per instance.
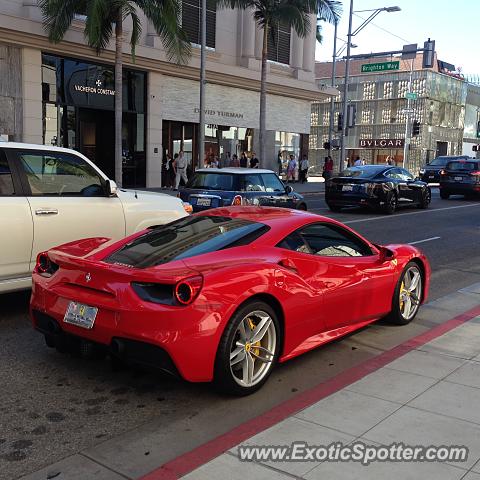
[292, 166]
[358, 162]
[180, 167]
[304, 169]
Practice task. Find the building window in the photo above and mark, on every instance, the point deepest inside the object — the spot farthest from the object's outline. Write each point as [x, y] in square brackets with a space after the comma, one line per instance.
[191, 17]
[279, 44]
[369, 90]
[388, 90]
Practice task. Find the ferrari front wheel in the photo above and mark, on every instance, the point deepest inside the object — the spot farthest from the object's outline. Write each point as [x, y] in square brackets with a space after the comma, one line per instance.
[248, 349]
[407, 296]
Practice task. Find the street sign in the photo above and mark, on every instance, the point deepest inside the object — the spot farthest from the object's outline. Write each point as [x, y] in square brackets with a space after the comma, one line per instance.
[380, 67]
[411, 96]
[408, 110]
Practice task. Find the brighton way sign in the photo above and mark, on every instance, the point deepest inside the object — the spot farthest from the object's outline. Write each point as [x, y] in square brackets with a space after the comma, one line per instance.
[380, 67]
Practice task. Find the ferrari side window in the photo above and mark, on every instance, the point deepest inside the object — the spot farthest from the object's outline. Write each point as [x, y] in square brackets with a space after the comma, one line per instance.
[294, 242]
[332, 241]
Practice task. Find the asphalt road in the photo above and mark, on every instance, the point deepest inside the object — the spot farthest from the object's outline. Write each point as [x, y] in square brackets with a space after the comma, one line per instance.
[54, 405]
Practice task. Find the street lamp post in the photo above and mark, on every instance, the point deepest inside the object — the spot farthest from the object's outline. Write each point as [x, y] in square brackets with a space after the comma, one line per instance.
[203, 81]
[351, 34]
[332, 100]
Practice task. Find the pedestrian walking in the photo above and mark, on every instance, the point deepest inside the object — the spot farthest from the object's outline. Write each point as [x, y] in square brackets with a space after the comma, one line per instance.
[280, 163]
[254, 161]
[243, 160]
[180, 166]
[328, 168]
[292, 166]
[389, 160]
[228, 160]
[235, 163]
[304, 169]
[357, 162]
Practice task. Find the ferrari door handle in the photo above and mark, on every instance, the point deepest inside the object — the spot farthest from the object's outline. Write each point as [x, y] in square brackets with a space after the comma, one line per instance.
[46, 211]
[288, 264]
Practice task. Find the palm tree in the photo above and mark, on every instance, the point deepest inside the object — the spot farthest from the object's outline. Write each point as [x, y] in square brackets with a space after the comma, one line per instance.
[102, 17]
[268, 15]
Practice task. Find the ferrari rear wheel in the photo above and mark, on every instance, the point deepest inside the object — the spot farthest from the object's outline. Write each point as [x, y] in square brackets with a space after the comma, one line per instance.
[248, 349]
[407, 296]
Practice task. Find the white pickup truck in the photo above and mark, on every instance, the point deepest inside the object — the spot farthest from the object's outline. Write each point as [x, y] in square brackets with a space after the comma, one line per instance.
[50, 196]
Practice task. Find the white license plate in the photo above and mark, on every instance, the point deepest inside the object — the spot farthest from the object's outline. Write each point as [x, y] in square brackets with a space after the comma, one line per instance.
[458, 179]
[431, 176]
[80, 315]
[347, 188]
[204, 202]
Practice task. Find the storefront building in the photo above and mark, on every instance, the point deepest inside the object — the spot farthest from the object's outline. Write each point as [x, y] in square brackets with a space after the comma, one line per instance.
[63, 94]
[471, 131]
[381, 113]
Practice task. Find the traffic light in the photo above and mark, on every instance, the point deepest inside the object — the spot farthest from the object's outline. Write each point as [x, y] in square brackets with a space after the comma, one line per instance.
[428, 53]
[351, 115]
[340, 122]
[415, 128]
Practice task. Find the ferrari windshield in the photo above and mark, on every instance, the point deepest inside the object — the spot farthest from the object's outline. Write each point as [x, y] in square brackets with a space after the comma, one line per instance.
[187, 237]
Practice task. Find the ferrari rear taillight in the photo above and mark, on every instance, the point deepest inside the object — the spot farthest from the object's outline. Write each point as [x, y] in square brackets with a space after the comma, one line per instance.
[44, 266]
[186, 291]
[237, 200]
[182, 293]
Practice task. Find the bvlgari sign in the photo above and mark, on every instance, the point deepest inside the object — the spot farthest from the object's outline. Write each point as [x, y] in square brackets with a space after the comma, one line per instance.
[382, 143]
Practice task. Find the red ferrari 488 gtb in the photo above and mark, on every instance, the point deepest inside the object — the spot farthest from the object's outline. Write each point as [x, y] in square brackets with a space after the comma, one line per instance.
[223, 295]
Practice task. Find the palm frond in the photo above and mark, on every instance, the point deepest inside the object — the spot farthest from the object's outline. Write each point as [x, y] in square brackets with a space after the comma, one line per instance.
[318, 34]
[329, 10]
[101, 14]
[165, 17]
[58, 16]
[131, 11]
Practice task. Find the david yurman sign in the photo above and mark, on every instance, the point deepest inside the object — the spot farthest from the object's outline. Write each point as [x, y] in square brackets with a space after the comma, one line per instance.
[219, 113]
[382, 143]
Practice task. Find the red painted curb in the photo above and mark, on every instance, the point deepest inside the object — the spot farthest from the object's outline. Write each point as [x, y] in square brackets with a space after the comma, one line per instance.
[189, 461]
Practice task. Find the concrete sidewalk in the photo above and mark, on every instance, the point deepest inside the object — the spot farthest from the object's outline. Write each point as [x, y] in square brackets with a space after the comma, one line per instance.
[425, 392]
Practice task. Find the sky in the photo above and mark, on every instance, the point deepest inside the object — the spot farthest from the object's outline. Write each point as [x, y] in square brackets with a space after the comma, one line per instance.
[453, 26]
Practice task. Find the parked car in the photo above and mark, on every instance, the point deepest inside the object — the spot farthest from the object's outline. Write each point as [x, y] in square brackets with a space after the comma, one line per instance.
[219, 187]
[52, 195]
[376, 186]
[223, 295]
[460, 177]
[430, 173]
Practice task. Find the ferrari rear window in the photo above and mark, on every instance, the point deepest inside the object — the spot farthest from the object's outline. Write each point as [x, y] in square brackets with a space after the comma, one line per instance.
[185, 238]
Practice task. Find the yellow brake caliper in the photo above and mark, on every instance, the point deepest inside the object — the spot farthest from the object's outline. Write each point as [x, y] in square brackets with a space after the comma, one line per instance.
[402, 290]
[255, 351]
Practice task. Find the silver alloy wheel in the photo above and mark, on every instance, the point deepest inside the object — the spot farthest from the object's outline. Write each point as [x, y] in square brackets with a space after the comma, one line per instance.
[253, 348]
[410, 292]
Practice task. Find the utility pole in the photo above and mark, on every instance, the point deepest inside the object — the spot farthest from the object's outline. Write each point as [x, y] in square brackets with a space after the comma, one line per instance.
[406, 145]
[345, 92]
[203, 81]
[332, 100]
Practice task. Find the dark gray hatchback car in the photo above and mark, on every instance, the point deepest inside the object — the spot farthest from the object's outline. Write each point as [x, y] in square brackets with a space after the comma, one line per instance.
[430, 173]
[221, 187]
